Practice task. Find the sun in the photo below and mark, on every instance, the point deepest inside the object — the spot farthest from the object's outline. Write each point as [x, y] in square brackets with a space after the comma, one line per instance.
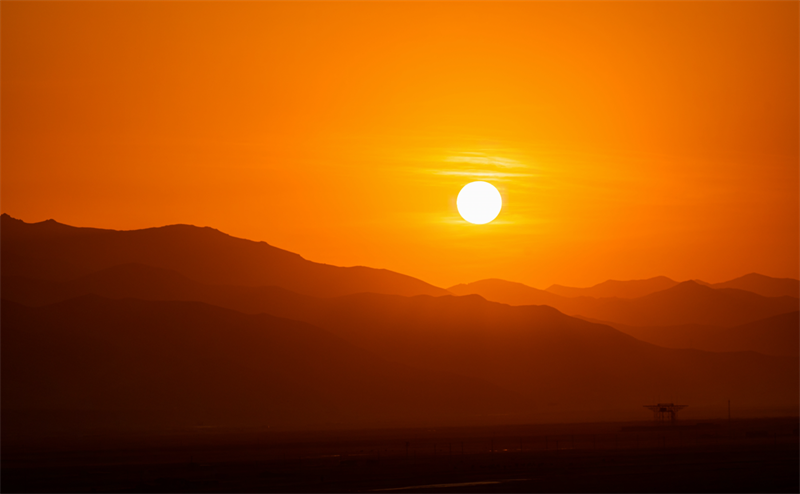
[479, 202]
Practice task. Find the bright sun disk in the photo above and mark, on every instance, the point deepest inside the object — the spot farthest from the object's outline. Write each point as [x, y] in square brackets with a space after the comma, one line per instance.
[479, 202]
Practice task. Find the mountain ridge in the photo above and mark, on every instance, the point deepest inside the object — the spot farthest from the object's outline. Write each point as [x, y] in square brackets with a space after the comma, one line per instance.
[676, 305]
[535, 351]
[192, 362]
[766, 286]
[774, 335]
[51, 250]
[616, 288]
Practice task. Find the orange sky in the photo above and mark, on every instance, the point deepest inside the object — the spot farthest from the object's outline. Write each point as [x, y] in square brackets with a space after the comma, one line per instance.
[628, 139]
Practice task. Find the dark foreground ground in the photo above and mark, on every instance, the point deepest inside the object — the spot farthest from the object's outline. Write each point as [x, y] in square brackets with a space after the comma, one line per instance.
[755, 455]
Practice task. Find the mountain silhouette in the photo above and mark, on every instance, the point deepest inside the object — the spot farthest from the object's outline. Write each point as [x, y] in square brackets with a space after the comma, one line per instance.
[53, 251]
[507, 292]
[558, 363]
[172, 283]
[763, 285]
[776, 335]
[691, 303]
[143, 282]
[614, 288]
[184, 363]
[685, 303]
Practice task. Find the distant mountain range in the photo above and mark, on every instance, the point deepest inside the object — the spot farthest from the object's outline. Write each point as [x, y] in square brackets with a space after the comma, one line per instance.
[763, 285]
[550, 360]
[614, 288]
[189, 363]
[187, 325]
[753, 282]
[508, 292]
[683, 303]
[776, 335]
[53, 251]
[690, 303]
[519, 294]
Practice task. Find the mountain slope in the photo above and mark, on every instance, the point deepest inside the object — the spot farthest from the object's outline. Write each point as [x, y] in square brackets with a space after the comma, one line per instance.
[685, 303]
[560, 363]
[757, 283]
[764, 285]
[776, 335]
[507, 292]
[690, 303]
[185, 363]
[52, 251]
[614, 288]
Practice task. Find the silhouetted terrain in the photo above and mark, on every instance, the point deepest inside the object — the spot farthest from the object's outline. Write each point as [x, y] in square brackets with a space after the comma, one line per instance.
[690, 303]
[614, 288]
[53, 251]
[763, 285]
[558, 362]
[169, 336]
[561, 362]
[144, 363]
[776, 335]
[685, 303]
[519, 294]
[509, 292]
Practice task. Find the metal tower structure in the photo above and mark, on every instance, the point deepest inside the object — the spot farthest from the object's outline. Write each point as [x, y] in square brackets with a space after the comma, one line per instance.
[665, 412]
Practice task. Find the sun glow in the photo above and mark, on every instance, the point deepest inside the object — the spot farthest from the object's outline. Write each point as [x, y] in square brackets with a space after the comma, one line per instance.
[479, 202]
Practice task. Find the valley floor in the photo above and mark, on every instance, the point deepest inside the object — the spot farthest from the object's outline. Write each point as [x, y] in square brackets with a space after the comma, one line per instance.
[752, 455]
